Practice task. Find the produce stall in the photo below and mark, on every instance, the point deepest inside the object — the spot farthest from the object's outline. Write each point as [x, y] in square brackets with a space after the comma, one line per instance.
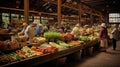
[43, 58]
[34, 60]
[51, 44]
[6, 36]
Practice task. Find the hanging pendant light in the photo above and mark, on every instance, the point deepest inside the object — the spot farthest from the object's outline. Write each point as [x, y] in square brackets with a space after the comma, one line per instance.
[68, 0]
[17, 4]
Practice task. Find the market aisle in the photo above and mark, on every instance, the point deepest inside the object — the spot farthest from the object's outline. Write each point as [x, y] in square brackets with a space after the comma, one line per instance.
[110, 58]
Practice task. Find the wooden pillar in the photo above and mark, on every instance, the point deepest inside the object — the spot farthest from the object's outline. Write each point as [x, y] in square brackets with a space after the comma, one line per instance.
[40, 15]
[33, 18]
[80, 13]
[91, 19]
[40, 19]
[59, 12]
[0, 17]
[10, 17]
[26, 11]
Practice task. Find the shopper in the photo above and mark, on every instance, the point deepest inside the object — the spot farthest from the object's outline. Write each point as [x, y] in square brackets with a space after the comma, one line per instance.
[103, 37]
[75, 28]
[39, 30]
[30, 30]
[45, 28]
[24, 25]
[115, 36]
[59, 29]
[67, 28]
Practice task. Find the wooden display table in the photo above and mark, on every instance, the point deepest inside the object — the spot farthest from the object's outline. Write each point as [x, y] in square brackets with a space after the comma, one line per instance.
[88, 47]
[36, 60]
[29, 62]
[6, 36]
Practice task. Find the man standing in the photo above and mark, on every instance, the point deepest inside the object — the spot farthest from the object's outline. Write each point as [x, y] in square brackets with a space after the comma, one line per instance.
[115, 36]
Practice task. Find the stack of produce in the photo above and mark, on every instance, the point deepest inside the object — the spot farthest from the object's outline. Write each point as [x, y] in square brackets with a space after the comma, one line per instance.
[52, 35]
[15, 56]
[26, 52]
[3, 31]
[4, 59]
[47, 48]
[8, 45]
[75, 42]
[66, 37]
[21, 38]
[61, 43]
[39, 40]
[84, 38]
[87, 38]
[57, 46]
[76, 32]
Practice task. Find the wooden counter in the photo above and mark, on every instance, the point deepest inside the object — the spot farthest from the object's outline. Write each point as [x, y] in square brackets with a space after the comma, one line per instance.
[32, 61]
[5, 36]
[29, 62]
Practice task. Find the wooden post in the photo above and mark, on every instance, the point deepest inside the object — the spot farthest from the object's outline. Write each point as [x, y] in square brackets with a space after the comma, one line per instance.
[26, 11]
[10, 18]
[0, 16]
[91, 19]
[40, 16]
[40, 19]
[59, 12]
[80, 14]
[0, 20]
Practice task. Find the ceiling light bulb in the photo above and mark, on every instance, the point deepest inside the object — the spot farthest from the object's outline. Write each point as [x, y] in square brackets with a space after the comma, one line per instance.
[68, 0]
[107, 5]
[113, 1]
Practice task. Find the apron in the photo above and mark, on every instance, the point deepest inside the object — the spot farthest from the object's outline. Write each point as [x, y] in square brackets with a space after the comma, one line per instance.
[31, 33]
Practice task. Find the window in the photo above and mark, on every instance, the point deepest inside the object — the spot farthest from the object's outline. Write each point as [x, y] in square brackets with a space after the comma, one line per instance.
[15, 17]
[37, 18]
[5, 18]
[114, 18]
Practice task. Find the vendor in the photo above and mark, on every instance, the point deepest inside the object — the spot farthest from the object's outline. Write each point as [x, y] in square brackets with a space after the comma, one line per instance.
[30, 30]
[39, 30]
[67, 28]
[23, 30]
[75, 28]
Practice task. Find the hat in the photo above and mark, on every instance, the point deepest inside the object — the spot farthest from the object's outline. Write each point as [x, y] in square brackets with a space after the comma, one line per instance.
[86, 25]
[103, 25]
[35, 22]
[24, 24]
[40, 25]
[77, 25]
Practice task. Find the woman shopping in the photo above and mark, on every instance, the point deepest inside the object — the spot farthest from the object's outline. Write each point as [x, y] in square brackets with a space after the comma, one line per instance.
[103, 37]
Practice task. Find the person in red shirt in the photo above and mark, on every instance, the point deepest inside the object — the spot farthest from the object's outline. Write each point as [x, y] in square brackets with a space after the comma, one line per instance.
[103, 37]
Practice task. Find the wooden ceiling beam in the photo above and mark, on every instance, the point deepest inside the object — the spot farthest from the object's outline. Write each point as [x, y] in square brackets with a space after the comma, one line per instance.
[63, 5]
[32, 11]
